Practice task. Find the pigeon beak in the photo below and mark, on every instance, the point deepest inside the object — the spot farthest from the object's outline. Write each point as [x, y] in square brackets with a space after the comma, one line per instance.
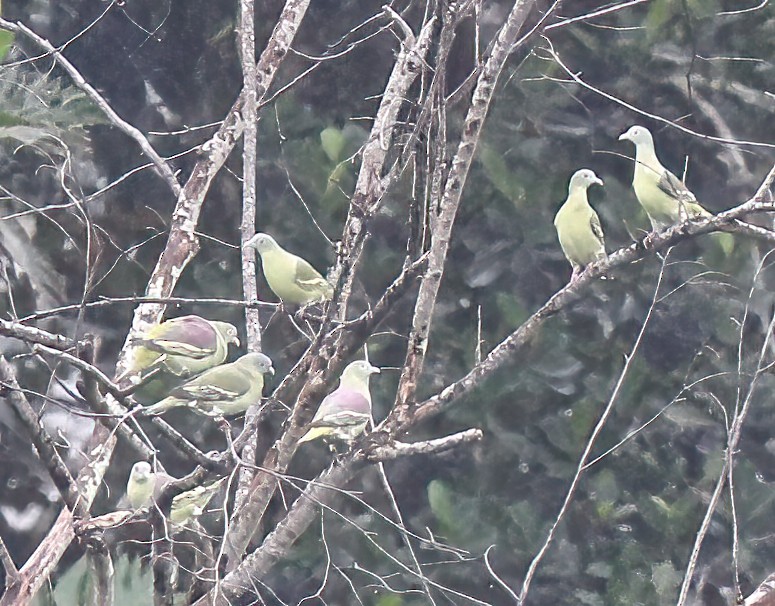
[271, 370]
[599, 181]
[250, 243]
[624, 137]
[374, 370]
[235, 340]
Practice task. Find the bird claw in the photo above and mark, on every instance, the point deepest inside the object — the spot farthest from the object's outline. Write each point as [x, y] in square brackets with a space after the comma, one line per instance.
[225, 427]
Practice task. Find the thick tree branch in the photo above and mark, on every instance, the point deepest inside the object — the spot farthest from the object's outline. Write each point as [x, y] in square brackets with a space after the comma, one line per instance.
[328, 357]
[397, 450]
[441, 225]
[507, 349]
[764, 594]
[247, 46]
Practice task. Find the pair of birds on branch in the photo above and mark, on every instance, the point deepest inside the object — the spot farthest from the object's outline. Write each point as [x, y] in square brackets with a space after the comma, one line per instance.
[662, 195]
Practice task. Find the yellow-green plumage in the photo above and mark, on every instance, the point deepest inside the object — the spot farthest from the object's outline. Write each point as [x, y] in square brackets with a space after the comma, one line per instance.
[145, 485]
[191, 504]
[224, 390]
[345, 412]
[176, 350]
[289, 276]
[141, 485]
[663, 196]
[577, 223]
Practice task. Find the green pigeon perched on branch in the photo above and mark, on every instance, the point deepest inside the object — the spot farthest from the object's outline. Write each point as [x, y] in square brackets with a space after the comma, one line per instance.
[345, 412]
[290, 277]
[578, 226]
[145, 486]
[228, 389]
[663, 196]
[191, 504]
[178, 349]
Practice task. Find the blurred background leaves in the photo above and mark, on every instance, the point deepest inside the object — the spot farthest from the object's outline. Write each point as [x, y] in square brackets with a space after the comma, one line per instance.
[171, 69]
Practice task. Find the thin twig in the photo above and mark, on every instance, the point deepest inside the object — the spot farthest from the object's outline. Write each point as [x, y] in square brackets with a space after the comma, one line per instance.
[159, 162]
[731, 447]
[108, 301]
[592, 441]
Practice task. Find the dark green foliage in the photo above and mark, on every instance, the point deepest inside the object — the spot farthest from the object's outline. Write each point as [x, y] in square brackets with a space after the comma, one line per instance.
[628, 535]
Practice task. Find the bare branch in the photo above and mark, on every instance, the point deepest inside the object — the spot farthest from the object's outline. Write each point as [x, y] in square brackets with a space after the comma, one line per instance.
[108, 301]
[30, 334]
[396, 450]
[732, 442]
[92, 371]
[103, 574]
[764, 594]
[247, 46]
[43, 443]
[6, 561]
[601, 422]
[442, 223]
[369, 188]
[652, 243]
[159, 162]
[365, 201]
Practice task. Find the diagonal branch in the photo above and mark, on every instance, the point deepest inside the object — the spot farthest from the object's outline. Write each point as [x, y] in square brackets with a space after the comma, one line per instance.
[370, 187]
[6, 561]
[181, 247]
[160, 163]
[450, 200]
[328, 357]
[507, 349]
[47, 452]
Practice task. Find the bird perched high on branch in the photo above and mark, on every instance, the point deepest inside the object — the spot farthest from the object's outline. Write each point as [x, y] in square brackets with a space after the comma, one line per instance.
[346, 411]
[663, 196]
[228, 389]
[577, 223]
[289, 276]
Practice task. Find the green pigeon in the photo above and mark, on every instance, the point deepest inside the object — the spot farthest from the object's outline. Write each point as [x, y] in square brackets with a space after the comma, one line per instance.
[177, 350]
[346, 411]
[663, 196]
[228, 389]
[577, 223]
[290, 277]
[145, 486]
[191, 504]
